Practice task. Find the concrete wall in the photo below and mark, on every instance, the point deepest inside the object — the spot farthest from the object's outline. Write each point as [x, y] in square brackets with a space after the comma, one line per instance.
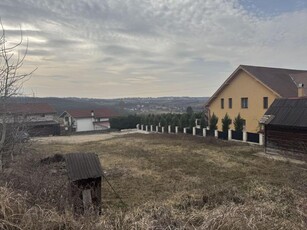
[84, 124]
[100, 127]
[243, 85]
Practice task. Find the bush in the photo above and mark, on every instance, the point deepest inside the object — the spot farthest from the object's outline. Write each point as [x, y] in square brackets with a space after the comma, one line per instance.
[125, 122]
[213, 122]
[238, 123]
[226, 121]
[184, 120]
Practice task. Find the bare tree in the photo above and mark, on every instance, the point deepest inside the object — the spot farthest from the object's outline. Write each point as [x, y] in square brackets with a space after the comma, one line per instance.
[12, 57]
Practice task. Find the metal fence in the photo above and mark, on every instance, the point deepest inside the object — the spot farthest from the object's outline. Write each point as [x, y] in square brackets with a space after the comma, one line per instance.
[199, 132]
[189, 130]
[210, 133]
[236, 135]
[253, 137]
[222, 135]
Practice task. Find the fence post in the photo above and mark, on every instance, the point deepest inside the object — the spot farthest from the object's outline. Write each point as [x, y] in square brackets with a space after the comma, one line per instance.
[138, 126]
[176, 129]
[229, 134]
[146, 128]
[151, 128]
[157, 129]
[261, 139]
[216, 133]
[194, 131]
[244, 136]
[204, 132]
[169, 129]
[184, 130]
[162, 129]
[142, 127]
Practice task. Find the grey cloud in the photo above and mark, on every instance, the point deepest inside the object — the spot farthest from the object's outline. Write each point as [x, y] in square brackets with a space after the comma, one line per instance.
[39, 52]
[192, 41]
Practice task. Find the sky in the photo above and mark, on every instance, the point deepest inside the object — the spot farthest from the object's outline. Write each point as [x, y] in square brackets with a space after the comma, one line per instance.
[151, 48]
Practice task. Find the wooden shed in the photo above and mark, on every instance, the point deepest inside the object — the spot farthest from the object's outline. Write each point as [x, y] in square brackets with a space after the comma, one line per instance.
[84, 172]
[285, 125]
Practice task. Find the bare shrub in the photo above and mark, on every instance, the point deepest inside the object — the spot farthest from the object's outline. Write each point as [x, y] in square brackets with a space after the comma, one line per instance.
[44, 184]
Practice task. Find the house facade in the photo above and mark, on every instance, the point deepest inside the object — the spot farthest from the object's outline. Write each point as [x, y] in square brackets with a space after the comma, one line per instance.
[87, 120]
[250, 90]
[38, 119]
[285, 125]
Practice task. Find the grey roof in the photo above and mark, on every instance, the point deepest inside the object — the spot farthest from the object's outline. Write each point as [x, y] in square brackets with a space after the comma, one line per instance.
[83, 166]
[28, 108]
[280, 80]
[289, 112]
[284, 82]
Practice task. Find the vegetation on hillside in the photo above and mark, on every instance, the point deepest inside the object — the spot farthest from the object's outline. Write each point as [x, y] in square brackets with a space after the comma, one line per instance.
[181, 120]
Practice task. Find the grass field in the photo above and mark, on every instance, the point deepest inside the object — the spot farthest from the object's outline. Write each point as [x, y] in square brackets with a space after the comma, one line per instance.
[185, 182]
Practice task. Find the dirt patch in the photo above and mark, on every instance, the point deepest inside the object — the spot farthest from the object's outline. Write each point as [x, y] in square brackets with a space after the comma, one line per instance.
[280, 158]
[76, 139]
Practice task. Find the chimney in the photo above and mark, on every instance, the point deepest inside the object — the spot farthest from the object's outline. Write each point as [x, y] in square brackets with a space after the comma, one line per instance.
[92, 113]
[301, 92]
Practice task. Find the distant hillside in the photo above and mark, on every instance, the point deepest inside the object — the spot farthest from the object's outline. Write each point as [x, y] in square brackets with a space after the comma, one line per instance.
[122, 105]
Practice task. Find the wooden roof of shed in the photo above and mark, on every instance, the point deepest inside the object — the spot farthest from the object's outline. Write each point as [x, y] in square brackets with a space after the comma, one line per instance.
[83, 166]
[289, 112]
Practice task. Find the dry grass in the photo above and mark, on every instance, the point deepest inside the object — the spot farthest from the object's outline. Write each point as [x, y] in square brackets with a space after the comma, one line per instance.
[167, 182]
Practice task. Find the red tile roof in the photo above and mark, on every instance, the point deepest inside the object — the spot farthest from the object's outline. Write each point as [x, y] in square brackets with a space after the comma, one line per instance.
[98, 113]
[29, 108]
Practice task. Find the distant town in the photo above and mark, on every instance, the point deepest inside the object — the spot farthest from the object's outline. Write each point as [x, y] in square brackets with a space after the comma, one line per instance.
[123, 105]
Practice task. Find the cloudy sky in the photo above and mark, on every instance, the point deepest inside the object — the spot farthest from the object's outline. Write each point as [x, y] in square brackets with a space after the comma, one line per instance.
[140, 48]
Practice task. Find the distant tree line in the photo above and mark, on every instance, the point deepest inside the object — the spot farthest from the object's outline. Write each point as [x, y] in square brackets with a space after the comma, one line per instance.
[184, 120]
[125, 122]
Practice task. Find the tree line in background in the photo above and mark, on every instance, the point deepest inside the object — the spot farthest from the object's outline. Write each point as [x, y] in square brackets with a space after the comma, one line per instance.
[181, 120]
[184, 120]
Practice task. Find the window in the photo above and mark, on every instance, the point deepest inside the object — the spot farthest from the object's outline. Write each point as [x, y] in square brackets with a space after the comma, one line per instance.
[265, 102]
[244, 102]
[230, 103]
[222, 103]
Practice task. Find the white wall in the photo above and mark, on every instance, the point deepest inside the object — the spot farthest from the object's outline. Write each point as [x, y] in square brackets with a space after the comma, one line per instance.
[84, 124]
[99, 127]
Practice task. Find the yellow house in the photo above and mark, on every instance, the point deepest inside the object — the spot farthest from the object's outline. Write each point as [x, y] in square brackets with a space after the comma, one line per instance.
[250, 90]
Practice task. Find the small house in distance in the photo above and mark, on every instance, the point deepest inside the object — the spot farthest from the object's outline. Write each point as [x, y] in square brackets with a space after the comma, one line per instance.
[285, 125]
[38, 119]
[84, 173]
[87, 120]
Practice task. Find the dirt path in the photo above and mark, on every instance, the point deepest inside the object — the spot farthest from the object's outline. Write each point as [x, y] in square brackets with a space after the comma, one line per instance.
[280, 158]
[85, 138]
